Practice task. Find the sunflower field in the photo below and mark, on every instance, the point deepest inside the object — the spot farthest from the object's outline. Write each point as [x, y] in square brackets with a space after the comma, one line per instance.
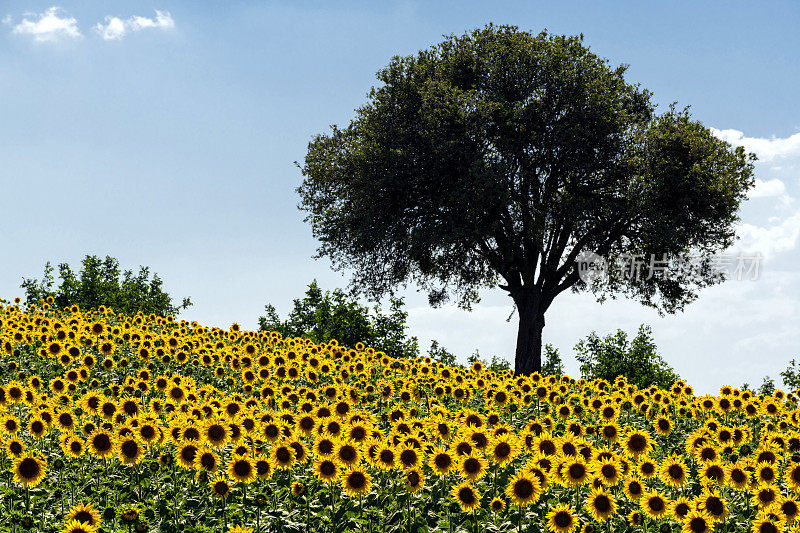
[142, 423]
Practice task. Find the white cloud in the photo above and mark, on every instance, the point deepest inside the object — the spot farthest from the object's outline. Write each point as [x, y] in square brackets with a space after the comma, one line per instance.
[766, 189]
[50, 26]
[162, 20]
[770, 240]
[765, 149]
[115, 28]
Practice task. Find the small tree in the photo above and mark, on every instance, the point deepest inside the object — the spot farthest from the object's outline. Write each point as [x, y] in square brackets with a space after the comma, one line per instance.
[767, 386]
[791, 376]
[552, 366]
[101, 282]
[322, 316]
[495, 364]
[614, 355]
[441, 355]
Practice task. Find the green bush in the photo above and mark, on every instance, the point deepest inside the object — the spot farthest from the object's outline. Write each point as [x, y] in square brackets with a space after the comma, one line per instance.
[322, 316]
[101, 282]
[614, 355]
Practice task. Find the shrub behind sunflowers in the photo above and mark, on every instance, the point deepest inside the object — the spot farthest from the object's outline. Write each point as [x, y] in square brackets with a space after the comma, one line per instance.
[145, 423]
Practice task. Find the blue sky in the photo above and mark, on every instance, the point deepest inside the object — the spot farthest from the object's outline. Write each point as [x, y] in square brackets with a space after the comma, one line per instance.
[164, 133]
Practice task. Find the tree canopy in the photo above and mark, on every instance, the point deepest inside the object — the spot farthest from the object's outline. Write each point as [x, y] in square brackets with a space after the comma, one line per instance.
[497, 157]
[101, 282]
[322, 316]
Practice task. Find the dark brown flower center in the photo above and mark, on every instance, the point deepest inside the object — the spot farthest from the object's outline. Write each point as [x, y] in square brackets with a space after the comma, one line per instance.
[356, 480]
[466, 496]
[29, 469]
[523, 489]
[602, 503]
[242, 468]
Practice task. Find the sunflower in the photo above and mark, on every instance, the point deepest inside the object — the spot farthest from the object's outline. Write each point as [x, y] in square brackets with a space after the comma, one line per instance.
[240, 529]
[471, 467]
[765, 522]
[409, 458]
[697, 521]
[497, 505]
[737, 477]
[523, 489]
[711, 503]
[503, 449]
[792, 476]
[37, 428]
[29, 470]
[461, 446]
[85, 513]
[765, 472]
[607, 471]
[601, 504]
[187, 453]
[673, 471]
[635, 518]
[324, 447]
[215, 433]
[148, 432]
[219, 487]
[263, 467]
[680, 507]
[9, 424]
[562, 519]
[356, 481]
[298, 489]
[101, 443]
[610, 432]
[15, 447]
[575, 472]
[242, 469]
[326, 470]
[467, 496]
[74, 526]
[282, 456]
[347, 454]
[385, 458]
[789, 508]
[654, 505]
[441, 461]
[129, 451]
[765, 495]
[646, 468]
[663, 426]
[414, 480]
[208, 460]
[637, 443]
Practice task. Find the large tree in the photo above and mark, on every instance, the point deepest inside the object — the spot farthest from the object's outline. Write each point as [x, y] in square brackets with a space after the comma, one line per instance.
[496, 157]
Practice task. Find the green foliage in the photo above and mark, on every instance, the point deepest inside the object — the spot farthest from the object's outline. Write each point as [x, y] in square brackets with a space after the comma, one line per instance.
[552, 366]
[496, 157]
[767, 386]
[615, 355]
[101, 282]
[440, 355]
[322, 316]
[495, 364]
[791, 376]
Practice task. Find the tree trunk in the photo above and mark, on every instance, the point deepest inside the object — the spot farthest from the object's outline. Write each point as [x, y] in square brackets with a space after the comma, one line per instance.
[529, 336]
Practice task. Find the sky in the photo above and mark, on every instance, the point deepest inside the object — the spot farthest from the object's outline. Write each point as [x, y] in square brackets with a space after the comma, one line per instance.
[166, 133]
